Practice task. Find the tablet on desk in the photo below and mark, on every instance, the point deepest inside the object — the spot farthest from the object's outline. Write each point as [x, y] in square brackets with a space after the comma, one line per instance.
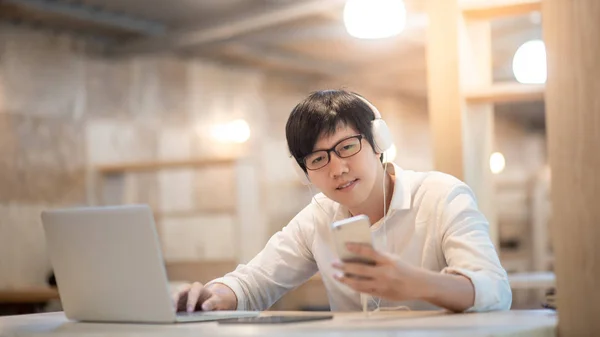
[274, 319]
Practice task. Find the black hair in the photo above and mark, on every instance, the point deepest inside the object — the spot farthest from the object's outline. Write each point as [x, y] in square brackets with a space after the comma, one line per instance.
[321, 113]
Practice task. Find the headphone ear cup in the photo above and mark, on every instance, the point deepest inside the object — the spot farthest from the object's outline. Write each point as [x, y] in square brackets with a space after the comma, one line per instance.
[381, 135]
[299, 171]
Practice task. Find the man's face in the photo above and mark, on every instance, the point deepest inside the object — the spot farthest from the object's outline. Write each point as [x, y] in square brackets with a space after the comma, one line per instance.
[348, 181]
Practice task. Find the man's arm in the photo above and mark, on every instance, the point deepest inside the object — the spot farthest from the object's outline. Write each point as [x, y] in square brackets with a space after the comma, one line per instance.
[470, 253]
[284, 263]
[473, 281]
[453, 292]
[395, 280]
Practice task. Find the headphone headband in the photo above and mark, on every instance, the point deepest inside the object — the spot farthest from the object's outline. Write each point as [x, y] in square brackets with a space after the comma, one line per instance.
[370, 105]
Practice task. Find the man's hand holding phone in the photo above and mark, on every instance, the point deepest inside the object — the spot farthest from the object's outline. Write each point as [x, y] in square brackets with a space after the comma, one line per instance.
[386, 278]
[365, 270]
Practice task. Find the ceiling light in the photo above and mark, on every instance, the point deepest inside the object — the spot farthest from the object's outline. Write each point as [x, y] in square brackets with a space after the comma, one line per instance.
[236, 131]
[374, 19]
[529, 63]
[497, 162]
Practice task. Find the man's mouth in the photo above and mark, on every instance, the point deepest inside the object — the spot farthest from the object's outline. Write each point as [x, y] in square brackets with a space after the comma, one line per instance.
[346, 185]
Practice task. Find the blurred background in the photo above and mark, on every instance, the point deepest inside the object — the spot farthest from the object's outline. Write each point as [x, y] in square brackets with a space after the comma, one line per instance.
[182, 105]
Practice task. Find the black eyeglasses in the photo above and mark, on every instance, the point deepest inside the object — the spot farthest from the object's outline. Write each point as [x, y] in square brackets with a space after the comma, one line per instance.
[345, 148]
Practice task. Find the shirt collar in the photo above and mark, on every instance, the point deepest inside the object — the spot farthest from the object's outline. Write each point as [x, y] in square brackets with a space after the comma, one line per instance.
[402, 197]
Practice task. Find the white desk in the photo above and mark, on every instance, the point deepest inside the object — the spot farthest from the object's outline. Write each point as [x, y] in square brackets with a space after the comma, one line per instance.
[538, 323]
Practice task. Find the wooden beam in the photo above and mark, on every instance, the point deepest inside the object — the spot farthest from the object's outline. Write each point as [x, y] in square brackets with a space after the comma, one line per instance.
[491, 9]
[416, 26]
[229, 29]
[159, 165]
[81, 11]
[506, 92]
[278, 58]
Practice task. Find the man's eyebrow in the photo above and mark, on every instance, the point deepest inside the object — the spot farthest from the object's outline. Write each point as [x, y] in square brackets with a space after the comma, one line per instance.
[315, 149]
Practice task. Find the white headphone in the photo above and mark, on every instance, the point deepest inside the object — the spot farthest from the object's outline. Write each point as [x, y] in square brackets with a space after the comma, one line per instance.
[382, 139]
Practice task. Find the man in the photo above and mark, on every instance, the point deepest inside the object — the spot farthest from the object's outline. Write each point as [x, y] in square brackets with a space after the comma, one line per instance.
[432, 243]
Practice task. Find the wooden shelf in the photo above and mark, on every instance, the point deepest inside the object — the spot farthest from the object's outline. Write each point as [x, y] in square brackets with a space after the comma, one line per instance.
[202, 270]
[28, 295]
[194, 212]
[506, 92]
[532, 280]
[159, 165]
[490, 9]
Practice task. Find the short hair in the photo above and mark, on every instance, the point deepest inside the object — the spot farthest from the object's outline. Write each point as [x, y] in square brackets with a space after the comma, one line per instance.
[321, 113]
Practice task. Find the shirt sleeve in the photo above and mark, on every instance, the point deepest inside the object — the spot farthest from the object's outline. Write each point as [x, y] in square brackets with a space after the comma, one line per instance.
[284, 263]
[469, 251]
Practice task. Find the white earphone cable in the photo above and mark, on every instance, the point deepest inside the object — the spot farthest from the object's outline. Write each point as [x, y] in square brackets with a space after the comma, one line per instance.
[385, 247]
[313, 196]
[384, 207]
[378, 303]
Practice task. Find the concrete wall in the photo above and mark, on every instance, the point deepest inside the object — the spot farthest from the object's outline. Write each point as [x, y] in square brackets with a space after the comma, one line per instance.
[64, 112]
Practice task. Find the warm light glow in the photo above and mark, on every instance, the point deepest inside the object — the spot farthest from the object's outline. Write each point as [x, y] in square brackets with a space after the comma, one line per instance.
[390, 154]
[497, 162]
[529, 63]
[374, 19]
[236, 131]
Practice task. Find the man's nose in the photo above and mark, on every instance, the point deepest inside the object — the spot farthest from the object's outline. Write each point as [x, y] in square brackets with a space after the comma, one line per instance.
[337, 165]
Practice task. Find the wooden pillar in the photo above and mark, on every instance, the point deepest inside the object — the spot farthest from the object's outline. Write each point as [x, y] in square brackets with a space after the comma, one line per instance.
[459, 61]
[572, 36]
[478, 118]
[443, 77]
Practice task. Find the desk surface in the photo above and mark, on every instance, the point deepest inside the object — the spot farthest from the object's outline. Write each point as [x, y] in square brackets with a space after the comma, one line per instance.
[538, 323]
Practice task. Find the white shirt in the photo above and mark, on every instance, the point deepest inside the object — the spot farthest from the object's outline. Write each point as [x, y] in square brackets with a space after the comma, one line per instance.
[432, 222]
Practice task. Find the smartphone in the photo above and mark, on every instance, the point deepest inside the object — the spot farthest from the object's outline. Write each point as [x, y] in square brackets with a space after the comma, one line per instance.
[356, 229]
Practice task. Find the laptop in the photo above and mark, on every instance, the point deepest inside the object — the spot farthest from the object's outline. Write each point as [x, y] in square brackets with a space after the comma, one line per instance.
[109, 267]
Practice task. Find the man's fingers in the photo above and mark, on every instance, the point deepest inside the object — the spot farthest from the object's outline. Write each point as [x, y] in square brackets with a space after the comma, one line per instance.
[179, 298]
[212, 303]
[193, 295]
[357, 269]
[360, 285]
[366, 251]
[176, 295]
[182, 302]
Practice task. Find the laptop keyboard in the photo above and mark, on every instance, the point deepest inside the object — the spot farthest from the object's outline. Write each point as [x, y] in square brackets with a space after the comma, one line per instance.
[217, 313]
